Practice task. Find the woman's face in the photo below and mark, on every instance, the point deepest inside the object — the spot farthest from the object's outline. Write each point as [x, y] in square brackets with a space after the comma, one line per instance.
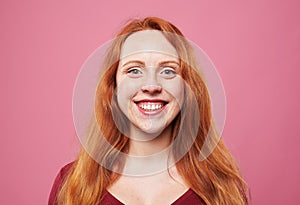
[149, 89]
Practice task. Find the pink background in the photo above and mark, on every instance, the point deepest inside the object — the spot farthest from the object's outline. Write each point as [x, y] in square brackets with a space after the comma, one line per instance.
[255, 46]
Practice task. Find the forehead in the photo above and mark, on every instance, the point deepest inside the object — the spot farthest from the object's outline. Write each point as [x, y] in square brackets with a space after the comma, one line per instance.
[147, 41]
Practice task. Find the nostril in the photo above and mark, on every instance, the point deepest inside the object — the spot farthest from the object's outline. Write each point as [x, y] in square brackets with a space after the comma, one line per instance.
[151, 88]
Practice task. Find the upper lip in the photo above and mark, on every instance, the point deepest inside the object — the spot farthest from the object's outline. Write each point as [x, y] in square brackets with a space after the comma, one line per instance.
[150, 100]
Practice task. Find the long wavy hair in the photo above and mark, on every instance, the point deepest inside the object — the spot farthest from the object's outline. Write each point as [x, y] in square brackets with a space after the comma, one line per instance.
[216, 179]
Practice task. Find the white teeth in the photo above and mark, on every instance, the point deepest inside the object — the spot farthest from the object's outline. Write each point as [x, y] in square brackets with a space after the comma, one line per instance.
[150, 106]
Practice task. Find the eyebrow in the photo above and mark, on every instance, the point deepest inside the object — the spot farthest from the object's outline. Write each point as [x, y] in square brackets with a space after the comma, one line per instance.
[168, 62]
[143, 64]
[134, 62]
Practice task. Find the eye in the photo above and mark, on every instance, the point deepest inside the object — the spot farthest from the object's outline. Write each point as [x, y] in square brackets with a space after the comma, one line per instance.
[168, 72]
[134, 72]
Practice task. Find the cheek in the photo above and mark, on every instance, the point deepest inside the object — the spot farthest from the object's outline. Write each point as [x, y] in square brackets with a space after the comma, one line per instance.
[126, 88]
[176, 89]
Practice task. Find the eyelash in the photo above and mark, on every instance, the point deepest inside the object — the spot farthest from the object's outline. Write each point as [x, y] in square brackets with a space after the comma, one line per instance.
[133, 69]
[169, 69]
[167, 72]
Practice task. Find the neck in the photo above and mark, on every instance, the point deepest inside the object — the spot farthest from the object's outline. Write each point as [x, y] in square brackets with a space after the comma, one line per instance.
[144, 144]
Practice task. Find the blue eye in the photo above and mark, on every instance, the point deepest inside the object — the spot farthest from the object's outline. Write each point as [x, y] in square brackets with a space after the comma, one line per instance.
[168, 73]
[134, 72]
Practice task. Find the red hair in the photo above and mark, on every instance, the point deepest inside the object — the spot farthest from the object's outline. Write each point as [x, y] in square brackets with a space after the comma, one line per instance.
[216, 179]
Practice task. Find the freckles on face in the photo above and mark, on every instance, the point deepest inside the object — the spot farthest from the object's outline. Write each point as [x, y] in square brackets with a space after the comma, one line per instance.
[126, 88]
[149, 88]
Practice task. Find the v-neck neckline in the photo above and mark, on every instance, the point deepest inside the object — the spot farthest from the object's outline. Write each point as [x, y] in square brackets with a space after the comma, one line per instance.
[178, 200]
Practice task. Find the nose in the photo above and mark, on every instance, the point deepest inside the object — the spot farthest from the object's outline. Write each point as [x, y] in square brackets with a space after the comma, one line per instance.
[151, 85]
[151, 89]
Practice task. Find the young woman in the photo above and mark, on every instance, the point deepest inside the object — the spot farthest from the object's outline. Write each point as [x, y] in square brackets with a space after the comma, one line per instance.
[148, 142]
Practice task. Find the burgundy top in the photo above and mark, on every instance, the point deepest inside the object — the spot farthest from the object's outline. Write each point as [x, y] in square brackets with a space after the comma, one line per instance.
[189, 197]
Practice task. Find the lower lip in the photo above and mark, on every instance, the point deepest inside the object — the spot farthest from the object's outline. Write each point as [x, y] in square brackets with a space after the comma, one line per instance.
[155, 112]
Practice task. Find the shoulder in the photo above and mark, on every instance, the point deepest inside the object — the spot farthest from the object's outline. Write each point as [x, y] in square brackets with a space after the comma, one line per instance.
[58, 183]
[65, 169]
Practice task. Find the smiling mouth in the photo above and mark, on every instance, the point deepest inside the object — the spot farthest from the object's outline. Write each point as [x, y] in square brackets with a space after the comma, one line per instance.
[148, 106]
